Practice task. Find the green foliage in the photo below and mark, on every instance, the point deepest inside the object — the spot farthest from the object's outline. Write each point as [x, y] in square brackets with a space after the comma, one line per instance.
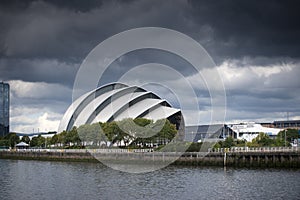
[137, 132]
[93, 132]
[4, 143]
[240, 143]
[218, 145]
[72, 137]
[141, 121]
[61, 138]
[291, 134]
[38, 141]
[11, 140]
[34, 142]
[25, 139]
[54, 139]
[194, 147]
[160, 132]
[229, 142]
[174, 147]
[262, 140]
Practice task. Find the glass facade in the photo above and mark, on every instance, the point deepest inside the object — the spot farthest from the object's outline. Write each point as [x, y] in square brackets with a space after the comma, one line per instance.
[4, 108]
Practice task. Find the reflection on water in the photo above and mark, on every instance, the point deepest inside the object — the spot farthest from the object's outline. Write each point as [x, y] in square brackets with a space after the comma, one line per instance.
[62, 180]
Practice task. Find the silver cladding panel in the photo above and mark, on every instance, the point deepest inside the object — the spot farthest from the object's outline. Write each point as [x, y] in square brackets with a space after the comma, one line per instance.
[133, 104]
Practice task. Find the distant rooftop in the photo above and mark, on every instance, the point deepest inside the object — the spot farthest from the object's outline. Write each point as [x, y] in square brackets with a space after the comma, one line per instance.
[34, 134]
[287, 121]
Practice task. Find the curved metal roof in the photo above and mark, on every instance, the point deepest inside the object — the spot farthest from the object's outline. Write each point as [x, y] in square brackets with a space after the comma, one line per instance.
[115, 101]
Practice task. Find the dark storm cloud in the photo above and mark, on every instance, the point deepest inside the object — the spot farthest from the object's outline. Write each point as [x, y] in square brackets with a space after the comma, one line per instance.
[46, 41]
[250, 28]
[43, 29]
[227, 29]
[139, 57]
[253, 28]
[76, 5]
[38, 70]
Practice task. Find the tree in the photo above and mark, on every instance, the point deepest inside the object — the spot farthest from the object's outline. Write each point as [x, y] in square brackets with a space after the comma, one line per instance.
[262, 140]
[47, 142]
[240, 143]
[72, 137]
[13, 139]
[83, 133]
[142, 121]
[99, 134]
[92, 134]
[291, 134]
[38, 141]
[4, 143]
[168, 132]
[113, 133]
[25, 139]
[54, 139]
[41, 141]
[229, 142]
[34, 142]
[127, 131]
[61, 138]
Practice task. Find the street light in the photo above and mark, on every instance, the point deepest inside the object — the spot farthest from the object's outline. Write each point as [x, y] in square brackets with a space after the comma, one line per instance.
[285, 138]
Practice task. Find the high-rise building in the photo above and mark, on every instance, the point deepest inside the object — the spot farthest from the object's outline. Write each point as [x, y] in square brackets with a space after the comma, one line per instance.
[4, 108]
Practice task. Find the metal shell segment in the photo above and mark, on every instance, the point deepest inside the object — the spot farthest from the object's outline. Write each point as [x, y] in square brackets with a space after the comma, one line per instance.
[115, 101]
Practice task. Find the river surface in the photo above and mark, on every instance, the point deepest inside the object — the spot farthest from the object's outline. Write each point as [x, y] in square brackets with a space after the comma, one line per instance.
[73, 180]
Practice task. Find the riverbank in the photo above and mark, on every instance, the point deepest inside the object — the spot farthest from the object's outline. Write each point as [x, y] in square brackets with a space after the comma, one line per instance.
[288, 159]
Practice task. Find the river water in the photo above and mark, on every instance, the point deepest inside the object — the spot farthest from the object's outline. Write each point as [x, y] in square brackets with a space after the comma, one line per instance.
[71, 180]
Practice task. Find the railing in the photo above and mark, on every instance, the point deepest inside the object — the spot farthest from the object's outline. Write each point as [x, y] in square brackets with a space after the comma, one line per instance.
[116, 150]
[47, 150]
[113, 150]
[255, 149]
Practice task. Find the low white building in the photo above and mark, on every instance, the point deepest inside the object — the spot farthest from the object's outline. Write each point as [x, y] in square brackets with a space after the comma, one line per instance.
[249, 131]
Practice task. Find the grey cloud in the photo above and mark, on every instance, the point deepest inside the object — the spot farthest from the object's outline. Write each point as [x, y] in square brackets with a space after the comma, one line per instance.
[227, 29]
[54, 97]
[283, 85]
[46, 41]
[139, 57]
[269, 95]
[45, 30]
[38, 70]
[254, 28]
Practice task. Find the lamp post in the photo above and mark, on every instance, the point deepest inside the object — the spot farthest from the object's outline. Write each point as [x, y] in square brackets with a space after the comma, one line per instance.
[284, 137]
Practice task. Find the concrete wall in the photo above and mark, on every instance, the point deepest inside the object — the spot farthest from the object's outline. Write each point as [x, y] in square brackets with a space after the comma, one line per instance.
[230, 159]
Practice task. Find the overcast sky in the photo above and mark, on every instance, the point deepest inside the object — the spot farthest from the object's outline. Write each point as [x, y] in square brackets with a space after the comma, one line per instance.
[255, 45]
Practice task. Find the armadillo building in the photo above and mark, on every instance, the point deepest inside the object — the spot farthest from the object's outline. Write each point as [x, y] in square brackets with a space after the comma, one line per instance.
[117, 101]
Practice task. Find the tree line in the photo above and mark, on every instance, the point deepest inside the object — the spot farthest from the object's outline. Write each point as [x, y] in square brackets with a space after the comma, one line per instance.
[262, 140]
[137, 133]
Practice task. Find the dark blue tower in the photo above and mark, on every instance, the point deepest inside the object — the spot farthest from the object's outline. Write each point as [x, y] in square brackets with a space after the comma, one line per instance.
[4, 109]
